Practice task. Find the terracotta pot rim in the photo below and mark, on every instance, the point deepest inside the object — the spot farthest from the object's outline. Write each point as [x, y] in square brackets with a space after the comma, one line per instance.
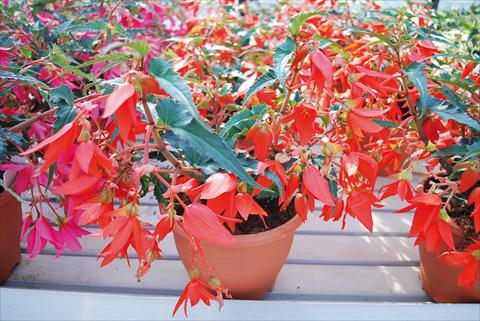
[252, 240]
[456, 230]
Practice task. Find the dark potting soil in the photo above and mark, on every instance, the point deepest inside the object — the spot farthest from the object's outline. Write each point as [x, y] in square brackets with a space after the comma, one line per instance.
[275, 218]
[460, 213]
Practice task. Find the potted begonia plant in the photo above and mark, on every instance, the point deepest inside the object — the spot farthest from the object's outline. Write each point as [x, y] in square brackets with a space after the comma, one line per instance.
[437, 122]
[36, 85]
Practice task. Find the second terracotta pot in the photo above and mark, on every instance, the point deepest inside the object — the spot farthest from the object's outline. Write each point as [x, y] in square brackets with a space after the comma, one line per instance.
[440, 280]
[249, 267]
[10, 226]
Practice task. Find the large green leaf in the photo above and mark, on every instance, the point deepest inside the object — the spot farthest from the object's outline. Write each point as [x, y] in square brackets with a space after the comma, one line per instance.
[196, 136]
[416, 74]
[63, 98]
[451, 112]
[465, 150]
[174, 85]
[29, 80]
[267, 79]
[282, 55]
[456, 110]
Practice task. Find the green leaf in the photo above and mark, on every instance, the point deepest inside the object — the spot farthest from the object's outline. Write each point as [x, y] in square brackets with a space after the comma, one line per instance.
[141, 47]
[29, 80]
[326, 42]
[282, 55]
[452, 97]
[385, 123]
[6, 136]
[299, 19]
[3, 148]
[274, 178]
[188, 130]
[245, 40]
[144, 183]
[16, 138]
[61, 60]
[467, 151]
[457, 113]
[416, 74]
[235, 120]
[267, 79]
[241, 120]
[170, 117]
[51, 172]
[174, 85]
[94, 26]
[107, 57]
[66, 112]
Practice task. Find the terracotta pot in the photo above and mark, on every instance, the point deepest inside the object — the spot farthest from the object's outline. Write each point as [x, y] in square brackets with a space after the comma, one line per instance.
[10, 226]
[249, 267]
[440, 280]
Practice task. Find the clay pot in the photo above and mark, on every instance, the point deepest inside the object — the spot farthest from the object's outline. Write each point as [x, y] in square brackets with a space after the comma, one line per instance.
[10, 226]
[249, 267]
[440, 280]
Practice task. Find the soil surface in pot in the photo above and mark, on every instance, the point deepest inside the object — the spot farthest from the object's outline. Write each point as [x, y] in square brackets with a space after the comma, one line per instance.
[275, 218]
[460, 213]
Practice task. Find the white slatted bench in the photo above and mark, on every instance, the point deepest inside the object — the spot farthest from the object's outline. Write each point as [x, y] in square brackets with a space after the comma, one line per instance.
[330, 275]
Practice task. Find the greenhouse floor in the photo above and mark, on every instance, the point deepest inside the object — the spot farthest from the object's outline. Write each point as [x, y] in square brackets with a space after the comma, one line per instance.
[330, 275]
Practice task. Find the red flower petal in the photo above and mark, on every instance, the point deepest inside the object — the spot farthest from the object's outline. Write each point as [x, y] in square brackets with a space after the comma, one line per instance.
[323, 64]
[316, 184]
[84, 154]
[218, 184]
[469, 178]
[262, 140]
[301, 206]
[78, 185]
[244, 204]
[201, 223]
[117, 98]
[360, 206]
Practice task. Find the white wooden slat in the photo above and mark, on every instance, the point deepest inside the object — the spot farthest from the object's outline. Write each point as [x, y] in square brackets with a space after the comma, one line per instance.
[28, 304]
[384, 223]
[295, 281]
[306, 249]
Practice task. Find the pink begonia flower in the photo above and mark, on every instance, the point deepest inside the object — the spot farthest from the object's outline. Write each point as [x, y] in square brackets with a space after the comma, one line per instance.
[39, 130]
[22, 94]
[41, 233]
[68, 235]
[127, 20]
[47, 19]
[56, 77]
[24, 175]
[27, 221]
[5, 54]
[9, 111]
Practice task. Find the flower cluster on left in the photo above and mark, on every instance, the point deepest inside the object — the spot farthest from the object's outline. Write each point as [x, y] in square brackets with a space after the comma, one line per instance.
[71, 77]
